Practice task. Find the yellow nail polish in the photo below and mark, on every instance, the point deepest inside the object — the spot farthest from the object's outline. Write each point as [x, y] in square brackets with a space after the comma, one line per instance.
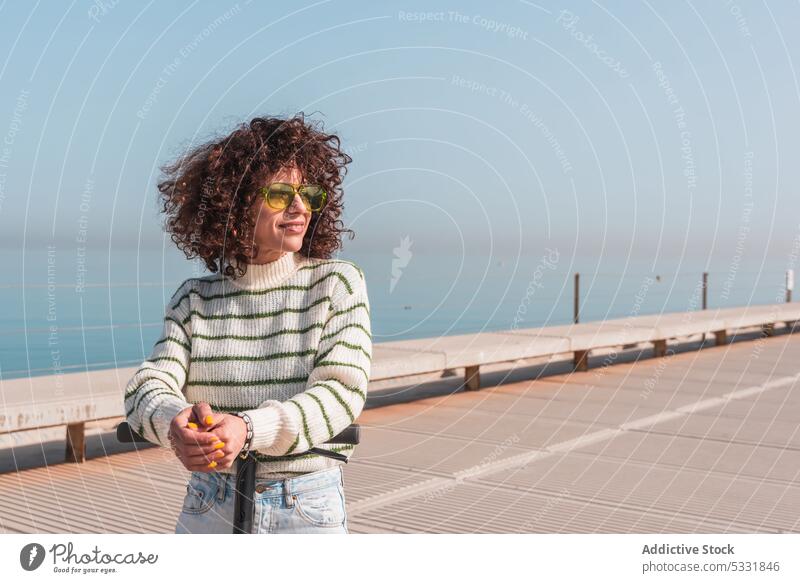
[219, 445]
[220, 454]
[191, 425]
[212, 465]
[209, 420]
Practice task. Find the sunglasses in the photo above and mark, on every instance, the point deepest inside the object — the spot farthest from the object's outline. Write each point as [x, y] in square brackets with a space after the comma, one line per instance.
[280, 195]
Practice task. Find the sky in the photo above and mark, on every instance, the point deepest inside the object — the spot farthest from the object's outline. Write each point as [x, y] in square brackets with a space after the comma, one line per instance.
[612, 132]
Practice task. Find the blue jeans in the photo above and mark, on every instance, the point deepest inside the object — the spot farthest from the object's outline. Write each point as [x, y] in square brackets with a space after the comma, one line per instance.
[310, 503]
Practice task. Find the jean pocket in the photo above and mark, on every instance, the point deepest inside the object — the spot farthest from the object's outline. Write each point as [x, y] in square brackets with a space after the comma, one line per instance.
[201, 493]
[321, 507]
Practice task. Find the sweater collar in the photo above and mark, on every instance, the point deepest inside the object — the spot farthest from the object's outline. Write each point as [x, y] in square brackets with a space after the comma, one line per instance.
[263, 275]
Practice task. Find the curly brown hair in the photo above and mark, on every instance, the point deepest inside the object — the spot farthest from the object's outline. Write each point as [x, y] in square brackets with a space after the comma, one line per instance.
[208, 193]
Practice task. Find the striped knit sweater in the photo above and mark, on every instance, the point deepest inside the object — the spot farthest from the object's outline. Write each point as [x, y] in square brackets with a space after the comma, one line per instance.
[289, 343]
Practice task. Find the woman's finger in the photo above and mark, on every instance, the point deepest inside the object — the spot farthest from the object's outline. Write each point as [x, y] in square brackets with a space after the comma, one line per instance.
[206, 449]
[203, 462]
[205, 415]
[207, 457]
[201, 467]
[211, 442]
[196, 463]
[226, 462]
[188, 436]
[182, 417]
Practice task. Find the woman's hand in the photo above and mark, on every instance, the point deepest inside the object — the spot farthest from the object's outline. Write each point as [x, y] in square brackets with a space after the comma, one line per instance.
[196, 449]
[204, 440]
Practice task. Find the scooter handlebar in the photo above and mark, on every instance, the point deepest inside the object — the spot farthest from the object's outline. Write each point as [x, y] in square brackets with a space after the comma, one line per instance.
[350, 435]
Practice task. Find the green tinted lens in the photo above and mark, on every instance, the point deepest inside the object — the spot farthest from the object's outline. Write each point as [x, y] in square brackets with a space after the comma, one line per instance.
[279, 195]
[315, 196]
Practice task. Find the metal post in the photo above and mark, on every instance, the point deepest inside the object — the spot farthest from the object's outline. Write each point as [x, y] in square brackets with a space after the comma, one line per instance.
[577, 297]
[705, 290]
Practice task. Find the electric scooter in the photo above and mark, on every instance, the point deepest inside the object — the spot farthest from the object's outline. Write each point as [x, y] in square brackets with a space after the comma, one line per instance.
[245, 485]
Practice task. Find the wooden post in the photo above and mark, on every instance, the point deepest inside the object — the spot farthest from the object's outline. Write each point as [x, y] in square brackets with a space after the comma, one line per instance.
[768, 329]
[580, 360]
[76, 446]
[659, 348]
[789, 284]
[720, 337]
[576, 299]
[472, 378]
[705, 290]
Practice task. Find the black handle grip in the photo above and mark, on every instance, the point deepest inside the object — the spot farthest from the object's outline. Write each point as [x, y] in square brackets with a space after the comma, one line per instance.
[350, 435]
[126, 434]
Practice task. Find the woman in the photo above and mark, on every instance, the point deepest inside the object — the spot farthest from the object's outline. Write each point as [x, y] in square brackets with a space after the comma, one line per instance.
[272, 355]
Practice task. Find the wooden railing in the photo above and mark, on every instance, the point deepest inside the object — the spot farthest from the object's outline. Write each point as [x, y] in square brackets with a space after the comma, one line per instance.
[78, 398]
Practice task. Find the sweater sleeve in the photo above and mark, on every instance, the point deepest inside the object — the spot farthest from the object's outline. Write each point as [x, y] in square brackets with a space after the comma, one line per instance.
[154, 395]
[337, 386]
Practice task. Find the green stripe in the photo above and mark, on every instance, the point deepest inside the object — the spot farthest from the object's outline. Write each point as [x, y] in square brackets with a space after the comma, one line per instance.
[345, 364]
[335, 261]
[347, 285]
[308, 352]
[262, 337]
[234, 409]
[340, 261]
[171, 319]
[172, 359]
[216, 279]
[350, 309]
[324, 414]
[350, 388]
[253, 316]
[294, 445]
[239, 383]
[154, 390]
[341, 401]
[261, 292]
[131, 392]
[287, 458]
[177, 382]
[174, 340]
[343, 328]
[305, 423]
[345, 344]
[153, 425]
[144, 394]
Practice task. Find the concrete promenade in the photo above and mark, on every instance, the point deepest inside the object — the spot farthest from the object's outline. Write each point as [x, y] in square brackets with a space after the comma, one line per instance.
[696, 441]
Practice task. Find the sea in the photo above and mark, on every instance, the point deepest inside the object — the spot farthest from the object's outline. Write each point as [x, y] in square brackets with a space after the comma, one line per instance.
[67, 309]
